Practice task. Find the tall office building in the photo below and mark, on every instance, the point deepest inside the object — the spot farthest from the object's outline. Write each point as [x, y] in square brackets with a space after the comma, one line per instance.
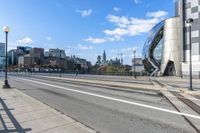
[57, 53]
[2, 55]
[26, 49]
[190, 9]
[12, 57]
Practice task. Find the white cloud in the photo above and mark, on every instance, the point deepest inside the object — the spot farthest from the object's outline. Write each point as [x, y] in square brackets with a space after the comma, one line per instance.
[139, 26]
[26, 40]
[114, 38]
[157, 14]
[85, 13]
[129, 26]
[48, 38]
[84, 47]
[133, 26]
[116, 32]
[117, 9]
[95, 40]
[119, 21]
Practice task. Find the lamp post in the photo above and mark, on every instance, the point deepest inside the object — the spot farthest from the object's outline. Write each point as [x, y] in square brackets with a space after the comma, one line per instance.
[60, 65]
[31, 66]
[134, 63]
[6, 29]
[50, 67]
[34, 66]
[189, 24]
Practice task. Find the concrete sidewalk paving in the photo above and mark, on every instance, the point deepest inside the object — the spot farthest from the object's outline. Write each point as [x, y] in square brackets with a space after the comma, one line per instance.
[191, 93]
[22, 113]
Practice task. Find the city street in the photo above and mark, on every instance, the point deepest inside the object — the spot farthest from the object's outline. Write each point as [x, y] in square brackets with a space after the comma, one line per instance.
[100, 66]
[106, 110]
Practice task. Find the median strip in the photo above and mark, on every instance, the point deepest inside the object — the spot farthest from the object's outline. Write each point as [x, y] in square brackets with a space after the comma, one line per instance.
[108, 83]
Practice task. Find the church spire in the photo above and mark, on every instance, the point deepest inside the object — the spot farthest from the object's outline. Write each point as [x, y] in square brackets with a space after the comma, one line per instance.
[104, 56]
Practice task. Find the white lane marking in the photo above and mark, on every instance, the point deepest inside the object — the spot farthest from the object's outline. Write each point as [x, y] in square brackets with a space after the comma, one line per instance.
[115, 99]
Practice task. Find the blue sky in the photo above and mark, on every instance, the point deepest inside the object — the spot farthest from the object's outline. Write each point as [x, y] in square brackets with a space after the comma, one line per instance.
[83, 27]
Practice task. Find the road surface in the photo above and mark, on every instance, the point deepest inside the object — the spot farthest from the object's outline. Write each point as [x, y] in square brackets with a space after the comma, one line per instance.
[106, 110]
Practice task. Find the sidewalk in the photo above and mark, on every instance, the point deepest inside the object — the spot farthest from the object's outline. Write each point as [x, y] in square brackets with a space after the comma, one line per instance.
[22, 113]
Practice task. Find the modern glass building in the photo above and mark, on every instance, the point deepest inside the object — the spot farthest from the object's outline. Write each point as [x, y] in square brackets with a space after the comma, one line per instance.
[152, 49]
[166, 50]
[2, 55]
[161, 52]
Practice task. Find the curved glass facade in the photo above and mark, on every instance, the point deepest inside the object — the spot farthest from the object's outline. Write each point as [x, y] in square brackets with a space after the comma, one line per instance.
[152, 50]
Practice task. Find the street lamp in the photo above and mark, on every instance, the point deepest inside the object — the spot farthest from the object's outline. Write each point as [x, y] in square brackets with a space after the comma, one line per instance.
[134, 51]
[189, 24]
[31, 66]
[60, 65]
[6, 29]
[49, 66]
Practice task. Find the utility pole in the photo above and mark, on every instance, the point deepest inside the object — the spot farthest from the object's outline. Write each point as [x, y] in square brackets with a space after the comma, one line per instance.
[134, 63]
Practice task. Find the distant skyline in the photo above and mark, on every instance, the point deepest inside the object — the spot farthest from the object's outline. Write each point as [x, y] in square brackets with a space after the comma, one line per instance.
[84, 29]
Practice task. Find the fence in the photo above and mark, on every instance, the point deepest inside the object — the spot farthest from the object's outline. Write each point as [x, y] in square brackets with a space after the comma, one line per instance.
[28, 71]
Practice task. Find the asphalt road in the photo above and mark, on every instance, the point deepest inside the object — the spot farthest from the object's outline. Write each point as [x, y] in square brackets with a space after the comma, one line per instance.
[105, 115]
